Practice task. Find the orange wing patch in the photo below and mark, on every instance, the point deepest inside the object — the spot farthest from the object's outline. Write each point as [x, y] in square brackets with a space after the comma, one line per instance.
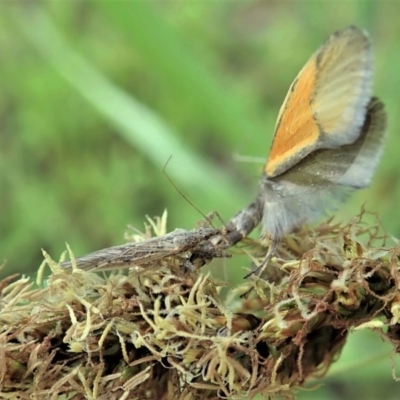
[296, 130]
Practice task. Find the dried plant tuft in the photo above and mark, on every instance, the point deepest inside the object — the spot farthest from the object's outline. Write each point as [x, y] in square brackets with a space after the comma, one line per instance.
[160, 330]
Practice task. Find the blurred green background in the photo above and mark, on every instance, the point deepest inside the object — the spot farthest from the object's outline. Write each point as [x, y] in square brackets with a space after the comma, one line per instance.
[96, 96]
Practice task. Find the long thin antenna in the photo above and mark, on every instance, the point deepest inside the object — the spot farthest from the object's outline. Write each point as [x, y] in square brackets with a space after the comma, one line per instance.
[164, 170]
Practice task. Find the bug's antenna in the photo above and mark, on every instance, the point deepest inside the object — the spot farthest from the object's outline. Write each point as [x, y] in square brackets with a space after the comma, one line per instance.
[164, 170]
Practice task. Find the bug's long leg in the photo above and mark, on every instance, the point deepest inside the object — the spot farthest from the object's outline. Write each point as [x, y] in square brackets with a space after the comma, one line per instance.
[271, 251]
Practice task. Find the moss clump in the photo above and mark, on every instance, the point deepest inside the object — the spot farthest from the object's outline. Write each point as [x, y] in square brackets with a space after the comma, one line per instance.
[162, 331]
